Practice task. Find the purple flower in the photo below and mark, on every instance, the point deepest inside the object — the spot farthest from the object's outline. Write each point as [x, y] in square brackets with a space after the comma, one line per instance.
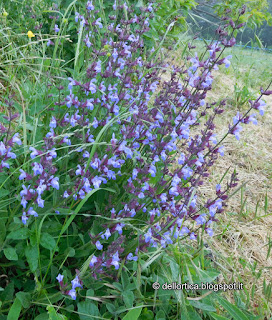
[200, 219]
[56, 28]
[53, 123]
[114, 54]
[131, 257]
[4, 164]
[261, 107]
[90, 5]
[252, 119]
[181, 159]
[34, 152]
[99, 246]
[65, 194]
[93, 261]
[236, 131]
[3, 149]
[141, 195]
[148, 235]
[96, 181]
[10, 154]
[152, 170]
[40, 189]
[32, 212]
[40, 202]
[176, 180]
[163, 197]
[76, 283]
[184, 230]
[119, 227]
[79, 170]
[209, 231]
[72, 294]
[115, 260]
[24, 218]
[149, 8]
[226, 61]
[221, 150]
[37, 168]
[60, 278]
[87, 41]
[192, 236]
[163, 155]
[92, 87]
[98, 66]
[106, 235]
[67, 141]
[49, 43]
[15, 139]
[125, 6]
[187, 172]
[55, 182]
[98, 23]
[77, 15]
[22, 175]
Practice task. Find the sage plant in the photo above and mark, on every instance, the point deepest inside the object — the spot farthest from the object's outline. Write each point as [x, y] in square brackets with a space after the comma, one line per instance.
[125, 132]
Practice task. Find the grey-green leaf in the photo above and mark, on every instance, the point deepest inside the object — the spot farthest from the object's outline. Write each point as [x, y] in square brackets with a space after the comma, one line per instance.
[87, 309]
[20, 234]
[15, 310]
[25, 298]
[133, 314]
[11, 253]
[47, 241]
[32, 256]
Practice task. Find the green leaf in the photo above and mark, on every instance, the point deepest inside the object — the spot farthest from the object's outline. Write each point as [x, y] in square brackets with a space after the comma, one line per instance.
[2, 231]
[87, 309]
[218, 317]
[79, 206]
[53, 315]
[42, 316]
[133, 314]
[146, 315]
[47, 241]
[233, 311]
[140, 4]
[20, 234]
[202, 306]
[3, 193]
[111, 307]
[128, 298]
[32, 256]
[160, 315]
[11, 253]
[70, 252]
[8, 293]
[15, 310]
[125, 279]
[25, 298]
[259, 42]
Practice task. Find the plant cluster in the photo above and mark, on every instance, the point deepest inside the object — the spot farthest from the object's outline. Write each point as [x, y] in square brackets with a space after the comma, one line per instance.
[118, 167]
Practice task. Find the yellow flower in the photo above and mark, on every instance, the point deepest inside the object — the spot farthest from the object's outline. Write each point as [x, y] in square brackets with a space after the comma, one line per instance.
[5, 14]
[30, 34]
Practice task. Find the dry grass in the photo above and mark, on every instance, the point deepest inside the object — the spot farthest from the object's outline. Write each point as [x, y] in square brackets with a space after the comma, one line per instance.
[241, 239]
[244, 238]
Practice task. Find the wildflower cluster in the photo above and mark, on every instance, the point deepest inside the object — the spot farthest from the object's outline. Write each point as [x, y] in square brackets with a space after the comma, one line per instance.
[125, 132]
